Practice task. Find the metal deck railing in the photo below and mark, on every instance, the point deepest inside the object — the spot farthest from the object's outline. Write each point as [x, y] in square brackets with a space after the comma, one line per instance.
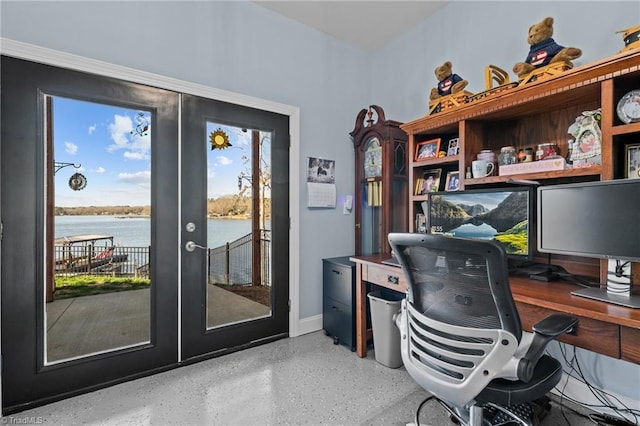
[113, 260]
[230, 264]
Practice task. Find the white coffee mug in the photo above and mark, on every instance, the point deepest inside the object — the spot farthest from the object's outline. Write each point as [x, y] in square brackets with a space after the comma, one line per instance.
[481, 168]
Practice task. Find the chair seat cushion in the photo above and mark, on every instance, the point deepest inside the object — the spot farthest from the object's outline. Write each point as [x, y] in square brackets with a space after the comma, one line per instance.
[546, 375]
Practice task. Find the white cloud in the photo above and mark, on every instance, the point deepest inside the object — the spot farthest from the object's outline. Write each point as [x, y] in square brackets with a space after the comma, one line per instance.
[142, 178]
[126, 137]
[120, 131]
[92, 129]
[100, 169]
[70, 148]
[129, 155]
[221, 160]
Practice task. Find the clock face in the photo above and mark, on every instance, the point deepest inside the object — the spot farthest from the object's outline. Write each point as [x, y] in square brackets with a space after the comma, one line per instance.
[372, 158]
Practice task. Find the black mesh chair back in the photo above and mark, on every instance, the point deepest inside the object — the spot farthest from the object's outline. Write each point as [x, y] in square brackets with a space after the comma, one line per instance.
[462, 326]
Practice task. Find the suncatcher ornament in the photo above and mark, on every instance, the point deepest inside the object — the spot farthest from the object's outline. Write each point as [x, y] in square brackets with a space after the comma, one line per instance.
[219, 139]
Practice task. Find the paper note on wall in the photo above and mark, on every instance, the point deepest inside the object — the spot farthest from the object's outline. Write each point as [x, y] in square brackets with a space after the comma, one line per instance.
[321, 195]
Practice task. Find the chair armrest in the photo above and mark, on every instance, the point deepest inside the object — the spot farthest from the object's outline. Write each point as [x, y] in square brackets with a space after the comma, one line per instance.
[543, 332]
[555, 325]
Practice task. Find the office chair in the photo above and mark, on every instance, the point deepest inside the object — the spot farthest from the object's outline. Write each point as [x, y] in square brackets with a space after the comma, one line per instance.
[461, 337]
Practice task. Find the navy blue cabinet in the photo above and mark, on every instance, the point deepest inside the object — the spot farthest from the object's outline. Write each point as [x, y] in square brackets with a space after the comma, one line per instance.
[339, 300]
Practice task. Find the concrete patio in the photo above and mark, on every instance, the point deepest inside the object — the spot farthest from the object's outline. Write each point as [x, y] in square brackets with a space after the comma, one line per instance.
[92, 324]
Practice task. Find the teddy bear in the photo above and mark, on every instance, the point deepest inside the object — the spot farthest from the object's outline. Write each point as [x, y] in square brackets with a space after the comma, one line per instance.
[448, 82]
[544, 50]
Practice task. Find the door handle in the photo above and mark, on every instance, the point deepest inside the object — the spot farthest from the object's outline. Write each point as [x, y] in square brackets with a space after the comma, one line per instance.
[190, 246]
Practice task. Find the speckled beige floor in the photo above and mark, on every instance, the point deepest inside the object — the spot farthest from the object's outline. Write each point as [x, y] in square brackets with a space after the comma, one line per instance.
[300, 381]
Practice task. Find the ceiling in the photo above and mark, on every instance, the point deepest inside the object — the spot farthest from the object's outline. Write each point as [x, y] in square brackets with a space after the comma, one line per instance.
[369, 25]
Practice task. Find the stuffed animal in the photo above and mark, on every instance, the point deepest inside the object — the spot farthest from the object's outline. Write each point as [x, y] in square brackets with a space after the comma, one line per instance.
[544, 50]
[449, 82]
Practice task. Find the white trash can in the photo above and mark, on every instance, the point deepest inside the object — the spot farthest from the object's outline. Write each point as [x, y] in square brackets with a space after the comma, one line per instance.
[386, 336]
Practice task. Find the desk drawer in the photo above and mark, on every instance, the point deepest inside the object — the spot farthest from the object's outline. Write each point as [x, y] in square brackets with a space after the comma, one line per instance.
[594, 335]
[630, 338]
[338, 320]
[389, 277]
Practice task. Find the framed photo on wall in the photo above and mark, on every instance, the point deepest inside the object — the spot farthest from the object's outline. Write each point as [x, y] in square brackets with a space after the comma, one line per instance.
[453, 181]
[427, 149]
[632, 162]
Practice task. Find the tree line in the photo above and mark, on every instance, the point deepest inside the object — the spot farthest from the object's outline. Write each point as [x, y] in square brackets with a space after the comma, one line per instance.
[227, 205]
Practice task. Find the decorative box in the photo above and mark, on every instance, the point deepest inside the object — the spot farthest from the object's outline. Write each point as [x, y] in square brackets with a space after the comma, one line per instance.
[548, 165]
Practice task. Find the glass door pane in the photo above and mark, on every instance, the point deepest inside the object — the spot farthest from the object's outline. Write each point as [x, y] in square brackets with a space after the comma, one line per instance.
[98, 172]
[238, 224]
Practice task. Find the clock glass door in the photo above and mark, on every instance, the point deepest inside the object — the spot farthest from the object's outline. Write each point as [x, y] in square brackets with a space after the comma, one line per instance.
[371, 207]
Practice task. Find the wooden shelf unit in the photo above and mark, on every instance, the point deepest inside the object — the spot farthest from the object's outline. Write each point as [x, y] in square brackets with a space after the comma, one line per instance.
[538, 112]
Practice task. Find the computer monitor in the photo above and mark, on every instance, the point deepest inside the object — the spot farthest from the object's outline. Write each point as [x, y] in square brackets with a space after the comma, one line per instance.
[594, 219]
[500, 214]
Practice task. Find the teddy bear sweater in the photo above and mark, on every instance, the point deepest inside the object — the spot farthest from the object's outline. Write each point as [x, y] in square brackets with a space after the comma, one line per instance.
[444, 87]
[541, 53]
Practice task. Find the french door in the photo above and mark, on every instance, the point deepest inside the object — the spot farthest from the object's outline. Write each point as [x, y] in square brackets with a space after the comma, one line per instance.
[93, 237]
[234, 290]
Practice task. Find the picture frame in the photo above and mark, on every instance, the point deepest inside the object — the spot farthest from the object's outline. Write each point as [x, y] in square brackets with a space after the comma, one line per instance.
[453, 147]
[430, 181]
[453, 182]
[632, 161]
[421, 223]
[417, 190]
[427, 149]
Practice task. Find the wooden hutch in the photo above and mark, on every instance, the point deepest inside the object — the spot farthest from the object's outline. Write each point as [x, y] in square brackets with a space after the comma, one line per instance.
[530, 114]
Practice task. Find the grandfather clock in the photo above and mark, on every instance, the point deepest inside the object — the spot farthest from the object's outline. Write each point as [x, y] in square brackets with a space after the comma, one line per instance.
[381, 194]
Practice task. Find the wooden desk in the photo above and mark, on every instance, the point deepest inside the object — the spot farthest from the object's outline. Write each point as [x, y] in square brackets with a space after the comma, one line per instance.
[604, 328]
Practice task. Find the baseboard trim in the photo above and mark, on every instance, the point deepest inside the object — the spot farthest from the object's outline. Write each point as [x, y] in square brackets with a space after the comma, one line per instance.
[309, 325]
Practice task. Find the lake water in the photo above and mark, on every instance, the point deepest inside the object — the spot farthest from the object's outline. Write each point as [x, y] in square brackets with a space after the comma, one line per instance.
[136, 232]
[468, 230]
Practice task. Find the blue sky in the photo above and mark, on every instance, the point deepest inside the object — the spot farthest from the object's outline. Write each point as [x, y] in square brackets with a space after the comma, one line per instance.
[114, 154]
